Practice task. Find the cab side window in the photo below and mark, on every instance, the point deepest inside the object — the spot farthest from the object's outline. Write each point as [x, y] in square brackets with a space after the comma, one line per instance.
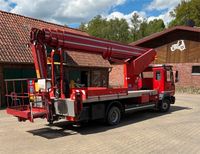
[158, 75]
[168, 76]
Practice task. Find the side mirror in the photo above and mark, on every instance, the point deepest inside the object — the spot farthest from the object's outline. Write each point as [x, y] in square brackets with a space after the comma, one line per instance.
[176, 77]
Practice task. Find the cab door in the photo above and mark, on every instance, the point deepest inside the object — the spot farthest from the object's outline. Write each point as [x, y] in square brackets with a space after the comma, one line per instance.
[158, 79]
[169, 81]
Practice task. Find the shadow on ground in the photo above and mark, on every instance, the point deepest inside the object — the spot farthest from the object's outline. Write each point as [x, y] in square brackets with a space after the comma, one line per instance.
[62, 129]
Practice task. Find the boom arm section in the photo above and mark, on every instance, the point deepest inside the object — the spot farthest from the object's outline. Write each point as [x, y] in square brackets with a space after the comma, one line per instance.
[135, 59]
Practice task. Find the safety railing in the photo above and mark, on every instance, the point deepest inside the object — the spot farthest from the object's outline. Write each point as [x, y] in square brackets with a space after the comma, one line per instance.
[16, 92]
[22, 99]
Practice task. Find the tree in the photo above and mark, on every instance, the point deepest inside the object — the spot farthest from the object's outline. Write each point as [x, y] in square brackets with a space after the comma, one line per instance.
[83, 26]
[143, 31]
[154, 26]
[186, 11]
[135, 23]
[117, 30]
[147, 28]
[97, 27]
[114, 29]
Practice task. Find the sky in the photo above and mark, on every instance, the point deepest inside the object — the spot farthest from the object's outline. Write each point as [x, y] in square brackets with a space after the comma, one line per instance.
[73, 12]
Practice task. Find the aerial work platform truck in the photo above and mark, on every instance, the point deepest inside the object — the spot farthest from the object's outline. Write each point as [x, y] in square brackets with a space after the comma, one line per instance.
[145, 85]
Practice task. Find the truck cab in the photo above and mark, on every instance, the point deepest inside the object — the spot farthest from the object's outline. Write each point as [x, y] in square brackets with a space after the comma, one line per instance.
[162, 78]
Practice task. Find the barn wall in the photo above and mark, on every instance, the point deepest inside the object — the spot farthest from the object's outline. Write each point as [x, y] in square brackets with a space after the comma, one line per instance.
[191, 53]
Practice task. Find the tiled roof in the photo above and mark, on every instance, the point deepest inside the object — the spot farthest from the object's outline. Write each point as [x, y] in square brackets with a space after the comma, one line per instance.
[85, 59]
[14, 37]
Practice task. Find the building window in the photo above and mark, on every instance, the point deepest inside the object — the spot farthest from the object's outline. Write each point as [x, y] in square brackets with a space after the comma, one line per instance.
[195, 70]
[99, 78]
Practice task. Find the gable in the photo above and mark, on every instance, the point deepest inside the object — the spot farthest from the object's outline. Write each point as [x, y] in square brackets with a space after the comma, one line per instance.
[179, 51]
[179, 37]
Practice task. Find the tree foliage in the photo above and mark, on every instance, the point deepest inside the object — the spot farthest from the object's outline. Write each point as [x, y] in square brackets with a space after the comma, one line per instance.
[155, 25]
[97, 27]
[186, 12]
[114, 29]
[135, 23]
[119, 30]
[83, 26]
[143, 28]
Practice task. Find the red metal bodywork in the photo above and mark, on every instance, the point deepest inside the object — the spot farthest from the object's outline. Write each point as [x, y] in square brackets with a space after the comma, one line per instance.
[97, 91]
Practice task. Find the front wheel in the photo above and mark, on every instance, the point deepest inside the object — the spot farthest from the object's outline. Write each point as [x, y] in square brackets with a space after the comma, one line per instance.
[164, 106]
[113, 116]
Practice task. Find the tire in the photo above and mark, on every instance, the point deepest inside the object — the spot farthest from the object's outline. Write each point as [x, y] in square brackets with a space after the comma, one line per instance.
[164, 105]
[113, 116]
[50, 122]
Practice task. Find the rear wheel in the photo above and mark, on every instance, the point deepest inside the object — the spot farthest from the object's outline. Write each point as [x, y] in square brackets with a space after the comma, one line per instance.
[164, 105]
[113, 116]
[50, 122]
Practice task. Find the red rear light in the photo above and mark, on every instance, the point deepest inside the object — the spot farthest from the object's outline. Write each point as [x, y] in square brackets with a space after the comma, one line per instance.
[69, 118]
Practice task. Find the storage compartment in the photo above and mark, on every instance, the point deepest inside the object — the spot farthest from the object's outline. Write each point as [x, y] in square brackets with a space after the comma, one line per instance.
[64, 107]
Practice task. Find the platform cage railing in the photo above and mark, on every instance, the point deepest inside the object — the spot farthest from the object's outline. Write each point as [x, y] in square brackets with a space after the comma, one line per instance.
[18, 92]
[23, 100]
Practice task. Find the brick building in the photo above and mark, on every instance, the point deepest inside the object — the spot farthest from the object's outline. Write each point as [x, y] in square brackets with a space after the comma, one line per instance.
[16, 59]
[180, 47]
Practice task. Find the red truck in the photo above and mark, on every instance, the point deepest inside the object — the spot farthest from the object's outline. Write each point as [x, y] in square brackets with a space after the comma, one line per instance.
[145, 86]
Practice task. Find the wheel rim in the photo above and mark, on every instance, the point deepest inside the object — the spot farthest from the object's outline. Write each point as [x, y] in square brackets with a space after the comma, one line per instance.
[164, 105]
[114, 116]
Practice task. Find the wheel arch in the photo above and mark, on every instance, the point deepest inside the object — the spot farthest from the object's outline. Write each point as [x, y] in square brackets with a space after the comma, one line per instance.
[166, 96]
[115, 103]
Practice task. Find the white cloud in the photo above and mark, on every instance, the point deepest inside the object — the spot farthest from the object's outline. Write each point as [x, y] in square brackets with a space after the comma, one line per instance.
[166, 5]
[4, 5]
[64, 11]
[76, 11]
[162, 4]
[120, 15]
[164, 16]
[142, 15]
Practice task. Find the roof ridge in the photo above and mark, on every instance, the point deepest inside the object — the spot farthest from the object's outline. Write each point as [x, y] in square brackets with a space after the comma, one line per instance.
[40, 20]
[165, 31]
